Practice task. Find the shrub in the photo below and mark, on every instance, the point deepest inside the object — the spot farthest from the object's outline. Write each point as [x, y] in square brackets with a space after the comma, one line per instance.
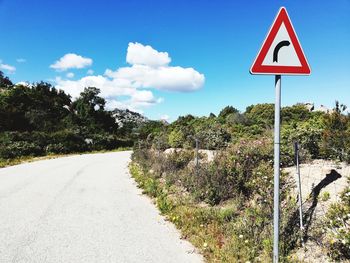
[20, 148]
[107, 142]
[214, 137]
[308, 134]
[56, 148]
[337, 227]
[69, 141]
[178, 159]
[176, 139]
[231, 172]
[336, 134]
[325, 196]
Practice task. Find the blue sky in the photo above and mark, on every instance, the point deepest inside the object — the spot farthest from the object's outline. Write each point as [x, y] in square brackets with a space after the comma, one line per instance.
[217, 39]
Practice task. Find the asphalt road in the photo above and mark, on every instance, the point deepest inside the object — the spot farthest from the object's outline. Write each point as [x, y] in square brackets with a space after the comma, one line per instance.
[83, 209]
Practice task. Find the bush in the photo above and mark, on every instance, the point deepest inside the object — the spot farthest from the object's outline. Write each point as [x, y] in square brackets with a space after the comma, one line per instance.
[176, 139]
[107, 142]
[68, 142]
[336, 134]
[56, 148]
[17, 144]
[179, 159]
[308, 134]
[337, 227]
[20, 148]
[214, 137]
[230, 174]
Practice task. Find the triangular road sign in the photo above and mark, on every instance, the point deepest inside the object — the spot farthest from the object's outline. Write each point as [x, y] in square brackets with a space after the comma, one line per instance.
[281, 52]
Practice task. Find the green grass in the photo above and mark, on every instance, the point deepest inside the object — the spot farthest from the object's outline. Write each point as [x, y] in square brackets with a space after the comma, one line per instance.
[28, 159]
[325, 196]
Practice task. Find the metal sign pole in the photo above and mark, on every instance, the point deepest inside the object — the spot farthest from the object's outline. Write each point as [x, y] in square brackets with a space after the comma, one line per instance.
[276, 206]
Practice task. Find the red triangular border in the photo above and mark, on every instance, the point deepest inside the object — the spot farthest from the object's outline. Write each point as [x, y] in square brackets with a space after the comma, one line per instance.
[258, 68]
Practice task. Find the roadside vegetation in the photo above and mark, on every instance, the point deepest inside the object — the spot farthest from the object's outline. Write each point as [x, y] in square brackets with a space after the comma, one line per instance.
[224, 206]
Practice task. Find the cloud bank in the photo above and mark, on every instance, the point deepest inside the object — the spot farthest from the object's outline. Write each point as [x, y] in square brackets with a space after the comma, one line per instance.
[130, 87]
[7, 68]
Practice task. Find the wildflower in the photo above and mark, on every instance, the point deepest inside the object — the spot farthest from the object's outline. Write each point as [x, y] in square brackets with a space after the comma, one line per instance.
[205, 244]
[246, 241]
[240, 236]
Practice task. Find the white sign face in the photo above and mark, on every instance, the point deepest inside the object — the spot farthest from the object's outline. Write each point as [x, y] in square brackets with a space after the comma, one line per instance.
[284, 54]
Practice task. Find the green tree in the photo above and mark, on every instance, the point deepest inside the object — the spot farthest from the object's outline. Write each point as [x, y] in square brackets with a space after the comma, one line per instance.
[89, 112]
[227, 111]
[176, 138]
[5, 82]
[295, 113]
[336, 135]
[38, 107]
[261, 114]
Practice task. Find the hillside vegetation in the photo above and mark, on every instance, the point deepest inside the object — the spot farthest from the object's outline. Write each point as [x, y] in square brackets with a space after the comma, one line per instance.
[225, 206]
[38, 119]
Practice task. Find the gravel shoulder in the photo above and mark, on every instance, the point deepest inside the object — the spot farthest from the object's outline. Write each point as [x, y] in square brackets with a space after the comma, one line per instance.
[83, 208]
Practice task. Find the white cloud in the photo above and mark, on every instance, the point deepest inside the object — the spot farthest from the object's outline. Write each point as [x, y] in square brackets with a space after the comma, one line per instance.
[130, 87]
[90, 72]
[8, 68]
[164, 117]
[112, 90]
[70, 75]
[146, 55]
[71, 60]
[21, 60]
[144, 98]
[109, 88]
[161, 78]
[150, 69]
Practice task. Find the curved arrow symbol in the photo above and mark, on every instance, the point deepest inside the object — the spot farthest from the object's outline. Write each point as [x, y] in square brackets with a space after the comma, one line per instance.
[278, 47]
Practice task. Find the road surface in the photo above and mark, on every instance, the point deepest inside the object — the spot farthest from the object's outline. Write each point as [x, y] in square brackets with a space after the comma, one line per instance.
[83, 208]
